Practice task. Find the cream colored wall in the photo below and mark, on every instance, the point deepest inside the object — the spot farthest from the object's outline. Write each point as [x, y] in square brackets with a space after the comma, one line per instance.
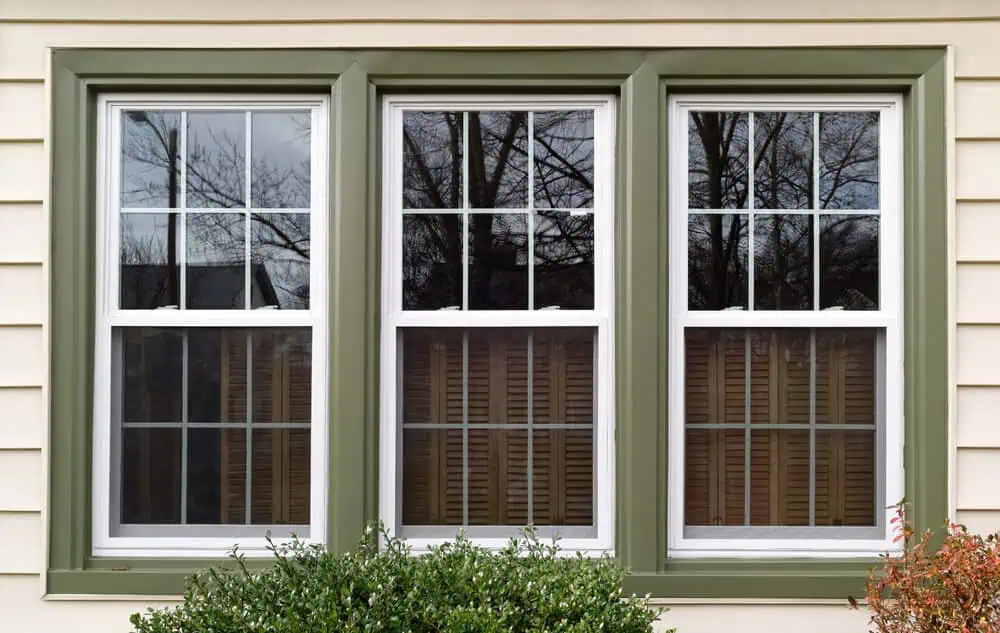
[29, 27]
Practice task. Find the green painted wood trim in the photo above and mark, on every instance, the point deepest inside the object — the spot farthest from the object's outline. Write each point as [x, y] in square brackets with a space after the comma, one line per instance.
[355, 79]
[640, 283]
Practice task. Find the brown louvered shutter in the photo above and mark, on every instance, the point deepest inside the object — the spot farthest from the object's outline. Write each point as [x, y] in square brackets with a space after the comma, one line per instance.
[716, 380]
[498, 394]
[280, 457]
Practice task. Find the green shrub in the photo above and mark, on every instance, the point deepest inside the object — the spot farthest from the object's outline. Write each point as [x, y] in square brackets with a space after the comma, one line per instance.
[527, 587]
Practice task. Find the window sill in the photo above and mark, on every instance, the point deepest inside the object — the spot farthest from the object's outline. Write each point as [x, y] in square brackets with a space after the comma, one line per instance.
[703, 579]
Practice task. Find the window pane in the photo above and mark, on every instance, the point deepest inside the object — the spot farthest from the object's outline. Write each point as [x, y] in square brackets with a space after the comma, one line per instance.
[779, 376]
[715, 390]
[216, 159]
[779, 477]
[282, 375]
[845, 478]
[151, 475]
[848, 155]
[498, 160]
[279, 250]
[216, 261]
[279, 172]
[151, 375]
[714, 477]
[783, 256]
[845, 376]
[717, 160]
[783, 156]
[564, 159]
[432, 160]
[498, 261]
[717, 262]
[432, 261]
[564, 260]
[849, 262]
[454, 382]
[217, 375]
[279, 477]
[150, 262]
[216, 477]
[563, 477]
[150, 159]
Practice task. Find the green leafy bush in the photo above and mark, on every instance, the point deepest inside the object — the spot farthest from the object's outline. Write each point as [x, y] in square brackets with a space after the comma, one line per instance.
[527, 587]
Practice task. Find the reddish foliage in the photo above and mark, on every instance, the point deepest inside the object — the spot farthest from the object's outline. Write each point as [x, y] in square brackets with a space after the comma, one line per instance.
[953, 587]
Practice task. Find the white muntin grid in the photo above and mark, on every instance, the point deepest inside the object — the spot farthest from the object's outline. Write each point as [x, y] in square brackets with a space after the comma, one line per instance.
[111, 538]
[529, 319]
[689, 541]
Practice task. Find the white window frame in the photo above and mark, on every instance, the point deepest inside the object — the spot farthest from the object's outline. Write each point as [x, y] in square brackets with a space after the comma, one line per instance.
[213, 540]
[889, 443]
[601, 317]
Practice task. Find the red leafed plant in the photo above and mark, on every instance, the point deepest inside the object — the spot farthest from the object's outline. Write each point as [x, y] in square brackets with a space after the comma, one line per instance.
[947, 587]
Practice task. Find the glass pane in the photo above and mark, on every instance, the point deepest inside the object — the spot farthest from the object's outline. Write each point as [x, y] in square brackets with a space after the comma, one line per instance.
[432, 160]
[279, 250]
[563, 477]
[432, 477]
[498, 376]
[216, 159]
[279, 170]
[216, 477]
[150, 260]
[715, 376]
[714, 477]
[217, 375]
[279, 477]
[846, 484]
[498, 477]
[779, 477]
[432, 261]
[498, 160]
[151, 369]
[150, 159]
[216, 256]
[783, 159]
[779, 376]
[717, 160]
[432, 376]
[846, 370]
[717, 262]
[849, 262]
[848, 156]
[282, 375]
[564, 260]
[151, 475]
[563, 376]
[783, 256]
[564, 159]
[498, 261]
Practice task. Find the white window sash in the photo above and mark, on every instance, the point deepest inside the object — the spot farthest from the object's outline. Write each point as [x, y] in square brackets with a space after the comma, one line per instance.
[195, 540]
[600, 318]
[778, 541]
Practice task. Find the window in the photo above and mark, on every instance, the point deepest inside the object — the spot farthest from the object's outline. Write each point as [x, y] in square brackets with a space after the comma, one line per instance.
[497, 302]
[785, 326]
[209, 428]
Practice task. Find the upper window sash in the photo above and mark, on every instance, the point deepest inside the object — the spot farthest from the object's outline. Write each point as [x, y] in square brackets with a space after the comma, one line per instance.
[686, 314]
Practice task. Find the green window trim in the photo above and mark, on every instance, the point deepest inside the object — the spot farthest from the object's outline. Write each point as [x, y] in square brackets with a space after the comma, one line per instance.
[356, 79]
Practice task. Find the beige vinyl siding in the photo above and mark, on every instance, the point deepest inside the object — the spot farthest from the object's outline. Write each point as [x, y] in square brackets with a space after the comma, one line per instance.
[23, 189]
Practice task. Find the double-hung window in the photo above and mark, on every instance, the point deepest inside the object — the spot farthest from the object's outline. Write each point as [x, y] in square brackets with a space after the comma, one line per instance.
[496, 356]
[210, 421]
[785, 328]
